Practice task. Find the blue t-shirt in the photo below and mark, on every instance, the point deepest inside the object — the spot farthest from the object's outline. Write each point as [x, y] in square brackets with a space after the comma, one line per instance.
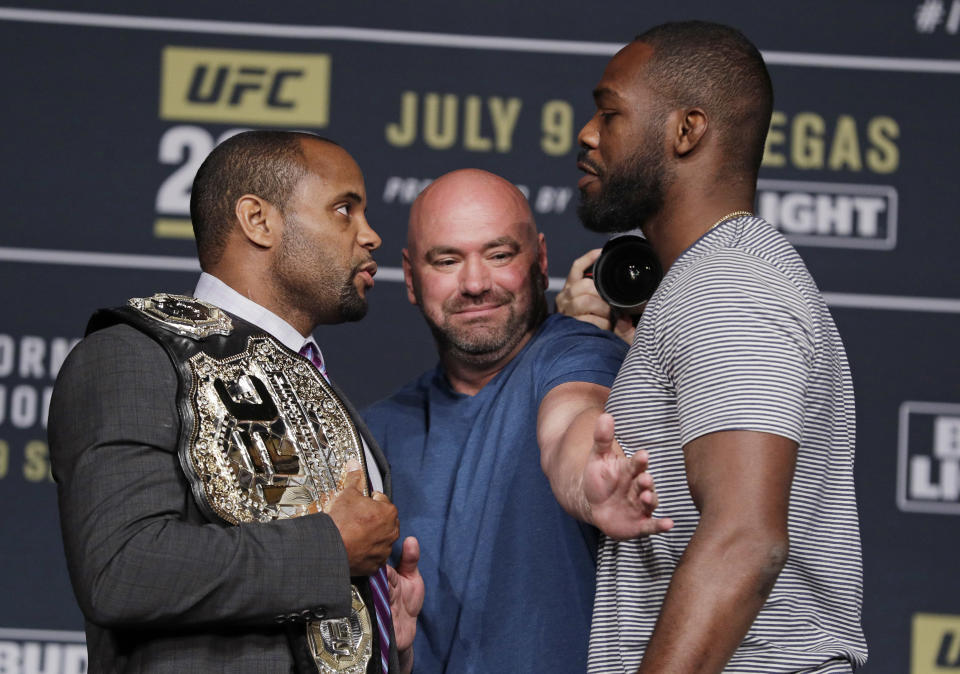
[509, 575]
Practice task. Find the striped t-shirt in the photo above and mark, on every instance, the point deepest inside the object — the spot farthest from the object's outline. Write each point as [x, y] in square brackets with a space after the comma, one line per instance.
[737, 337]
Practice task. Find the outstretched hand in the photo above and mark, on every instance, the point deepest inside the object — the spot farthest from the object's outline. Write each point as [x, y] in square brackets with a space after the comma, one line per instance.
[618, 490]
[406, 599]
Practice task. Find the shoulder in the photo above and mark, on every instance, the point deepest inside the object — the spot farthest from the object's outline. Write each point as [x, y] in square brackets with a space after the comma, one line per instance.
[731, 279]
[563, 332]
[116, 383]
[117, 349]
[728, 301]
[409, 400]
[567, 350]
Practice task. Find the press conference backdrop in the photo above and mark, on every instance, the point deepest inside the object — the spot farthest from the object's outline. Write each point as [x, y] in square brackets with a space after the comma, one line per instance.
[110, 107]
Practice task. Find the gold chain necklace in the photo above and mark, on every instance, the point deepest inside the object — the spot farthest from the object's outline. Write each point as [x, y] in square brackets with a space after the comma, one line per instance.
[735, 214]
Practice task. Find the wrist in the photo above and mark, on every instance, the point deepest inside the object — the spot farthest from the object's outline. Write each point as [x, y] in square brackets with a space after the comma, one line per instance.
[406, 660]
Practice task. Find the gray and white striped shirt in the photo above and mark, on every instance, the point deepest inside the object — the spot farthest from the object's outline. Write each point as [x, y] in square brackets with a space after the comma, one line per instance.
[738, 337]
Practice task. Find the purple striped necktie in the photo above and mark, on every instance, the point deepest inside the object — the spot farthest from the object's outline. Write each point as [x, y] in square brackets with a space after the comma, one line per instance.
[378, 581]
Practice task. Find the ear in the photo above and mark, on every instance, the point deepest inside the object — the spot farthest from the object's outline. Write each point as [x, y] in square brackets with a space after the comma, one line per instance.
[542, 256]
[260, 222]
[408, 277]
[691, 128]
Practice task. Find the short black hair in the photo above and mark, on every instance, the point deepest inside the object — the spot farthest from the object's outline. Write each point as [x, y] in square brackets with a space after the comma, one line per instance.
[266, 163]
[715, 67]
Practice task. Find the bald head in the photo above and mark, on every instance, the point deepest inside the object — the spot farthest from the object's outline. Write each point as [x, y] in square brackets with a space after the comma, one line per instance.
[465, 199]
[477, 268]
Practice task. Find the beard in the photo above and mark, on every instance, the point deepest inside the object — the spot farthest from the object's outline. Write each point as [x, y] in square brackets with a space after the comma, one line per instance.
[479, 343]
[318, 284]
[351, 304]
[629, 194]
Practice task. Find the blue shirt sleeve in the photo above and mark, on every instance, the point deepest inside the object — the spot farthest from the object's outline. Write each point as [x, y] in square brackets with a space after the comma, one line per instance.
[572, 350]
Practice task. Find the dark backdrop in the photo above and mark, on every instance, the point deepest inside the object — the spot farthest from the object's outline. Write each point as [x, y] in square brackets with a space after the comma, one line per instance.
[108, 108]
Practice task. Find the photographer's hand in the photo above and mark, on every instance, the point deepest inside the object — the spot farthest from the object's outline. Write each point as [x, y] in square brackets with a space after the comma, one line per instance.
[579, 299]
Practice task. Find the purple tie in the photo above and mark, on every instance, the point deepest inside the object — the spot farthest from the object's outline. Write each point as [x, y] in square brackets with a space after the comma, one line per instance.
[378, 581]
[381, 602]
[312, 353]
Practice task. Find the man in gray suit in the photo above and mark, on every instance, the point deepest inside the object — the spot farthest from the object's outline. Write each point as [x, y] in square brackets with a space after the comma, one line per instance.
[178, 567]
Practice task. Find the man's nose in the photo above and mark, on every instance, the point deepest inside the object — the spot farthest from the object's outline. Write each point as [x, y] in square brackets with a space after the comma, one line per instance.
[474, 277]
[589, 136]
[366, 236]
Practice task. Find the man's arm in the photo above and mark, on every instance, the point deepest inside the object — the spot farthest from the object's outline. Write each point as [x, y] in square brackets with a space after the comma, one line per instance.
[740, 482]
[588, 472]
[136, 555]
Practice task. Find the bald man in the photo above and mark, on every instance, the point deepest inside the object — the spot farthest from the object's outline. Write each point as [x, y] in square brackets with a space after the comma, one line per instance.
[509, 574]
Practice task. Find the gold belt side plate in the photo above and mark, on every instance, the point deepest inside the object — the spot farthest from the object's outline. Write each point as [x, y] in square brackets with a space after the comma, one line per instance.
[271, 439]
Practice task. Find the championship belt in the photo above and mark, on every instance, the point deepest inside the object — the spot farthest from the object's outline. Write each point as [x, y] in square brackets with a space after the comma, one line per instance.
[270, 439]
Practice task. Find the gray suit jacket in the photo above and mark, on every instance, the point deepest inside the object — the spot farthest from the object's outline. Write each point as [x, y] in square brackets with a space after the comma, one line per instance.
[163, 589]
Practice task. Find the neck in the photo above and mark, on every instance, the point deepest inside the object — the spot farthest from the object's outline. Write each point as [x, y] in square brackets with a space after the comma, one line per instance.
[686, 217]
[468, 373]
[264, 293]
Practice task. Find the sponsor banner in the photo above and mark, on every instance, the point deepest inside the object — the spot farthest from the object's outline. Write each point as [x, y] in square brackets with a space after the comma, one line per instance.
[283, 89]
[936, 644]
[928, 479]
[29, 364]
[936, 16]
[104, 143]
[29, 651]
[830, 214]
[839, 159]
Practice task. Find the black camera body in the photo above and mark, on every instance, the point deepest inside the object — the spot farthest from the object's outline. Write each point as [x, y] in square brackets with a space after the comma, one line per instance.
[627, 272]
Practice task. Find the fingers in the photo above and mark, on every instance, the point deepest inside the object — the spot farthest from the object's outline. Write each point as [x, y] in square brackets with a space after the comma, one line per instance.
[580, 298]
[656, 526]
[631, 470]
[649, 499]
[580, 264]
[623, 328]
[380, 496]
[641, 482]
[648, 527]
[641, 458]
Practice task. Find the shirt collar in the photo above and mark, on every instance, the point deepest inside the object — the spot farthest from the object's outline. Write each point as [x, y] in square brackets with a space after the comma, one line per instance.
[213, 290]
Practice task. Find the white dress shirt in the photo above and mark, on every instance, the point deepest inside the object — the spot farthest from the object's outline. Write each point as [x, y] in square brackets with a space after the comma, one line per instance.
[213, 290]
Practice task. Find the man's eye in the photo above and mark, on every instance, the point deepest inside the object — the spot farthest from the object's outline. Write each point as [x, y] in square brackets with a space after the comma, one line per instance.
[344, 209]
[501, 256]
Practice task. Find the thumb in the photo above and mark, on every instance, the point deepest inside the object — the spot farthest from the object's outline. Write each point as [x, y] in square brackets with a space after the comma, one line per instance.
[409, 557]
[603, 434]
[354, 477]
[580, 264]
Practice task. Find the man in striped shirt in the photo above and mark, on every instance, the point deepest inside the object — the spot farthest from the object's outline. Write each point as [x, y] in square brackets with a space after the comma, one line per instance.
[737, 384]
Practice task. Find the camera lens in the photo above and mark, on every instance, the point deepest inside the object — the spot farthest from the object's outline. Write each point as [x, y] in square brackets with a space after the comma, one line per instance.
[627, 272]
